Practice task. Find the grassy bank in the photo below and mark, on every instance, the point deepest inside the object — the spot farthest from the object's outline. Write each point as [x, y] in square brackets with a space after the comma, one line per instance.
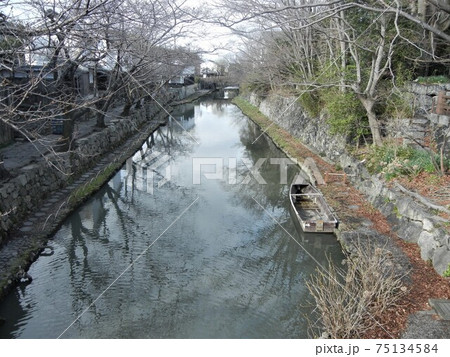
[89, 188]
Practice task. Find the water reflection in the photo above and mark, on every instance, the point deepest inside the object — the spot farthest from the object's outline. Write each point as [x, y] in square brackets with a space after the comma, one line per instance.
[223, 268]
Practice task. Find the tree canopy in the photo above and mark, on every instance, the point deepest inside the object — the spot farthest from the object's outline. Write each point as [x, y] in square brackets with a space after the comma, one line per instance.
[339, 51]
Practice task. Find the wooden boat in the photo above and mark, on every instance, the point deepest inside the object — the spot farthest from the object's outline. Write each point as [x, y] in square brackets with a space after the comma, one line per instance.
[311, 209]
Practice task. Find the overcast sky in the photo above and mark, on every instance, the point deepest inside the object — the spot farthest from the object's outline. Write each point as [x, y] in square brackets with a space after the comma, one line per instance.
[215, 39]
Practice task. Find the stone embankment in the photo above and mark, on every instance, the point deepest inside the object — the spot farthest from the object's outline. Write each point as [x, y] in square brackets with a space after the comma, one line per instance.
[36, 181]
[409, 217]
[42, 192]
[425, 125]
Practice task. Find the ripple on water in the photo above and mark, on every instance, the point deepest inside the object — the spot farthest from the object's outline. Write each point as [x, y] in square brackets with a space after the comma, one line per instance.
[220, 269]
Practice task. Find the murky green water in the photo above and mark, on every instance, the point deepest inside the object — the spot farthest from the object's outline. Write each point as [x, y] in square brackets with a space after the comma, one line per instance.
[155, 255]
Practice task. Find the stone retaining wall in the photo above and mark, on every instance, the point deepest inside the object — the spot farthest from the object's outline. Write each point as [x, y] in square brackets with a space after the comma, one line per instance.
[426, 125]
[21, 194]
[425, 95]
[287, 113]
[411, 220]
[420, 132]
[440, 125]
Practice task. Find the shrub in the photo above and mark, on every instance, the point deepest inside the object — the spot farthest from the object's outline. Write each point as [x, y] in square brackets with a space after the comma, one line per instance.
[351, 301]
[310, 102]
[257, 87]
[346, 115]
[446, 273]
[433, 80]
[393, 160]
[399, 106]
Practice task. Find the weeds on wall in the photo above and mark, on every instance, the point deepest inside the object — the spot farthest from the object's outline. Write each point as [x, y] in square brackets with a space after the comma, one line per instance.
[393, 161]
[433, 80]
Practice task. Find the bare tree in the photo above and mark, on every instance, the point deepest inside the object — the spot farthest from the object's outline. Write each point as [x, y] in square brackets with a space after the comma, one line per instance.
[127, 46]
[353, 46]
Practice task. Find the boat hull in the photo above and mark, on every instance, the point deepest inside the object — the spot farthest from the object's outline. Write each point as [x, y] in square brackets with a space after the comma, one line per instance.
[311, 209]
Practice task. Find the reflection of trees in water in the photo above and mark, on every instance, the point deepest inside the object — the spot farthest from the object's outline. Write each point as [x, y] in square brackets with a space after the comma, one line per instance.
[83, 277]
[164, 142]
[148, 165]
[80, 274]
[273, 194]
[12, 310]
[215, 106]
[292, 254]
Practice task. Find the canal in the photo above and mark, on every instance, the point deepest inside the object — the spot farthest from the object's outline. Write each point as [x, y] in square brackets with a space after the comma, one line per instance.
[192, 238]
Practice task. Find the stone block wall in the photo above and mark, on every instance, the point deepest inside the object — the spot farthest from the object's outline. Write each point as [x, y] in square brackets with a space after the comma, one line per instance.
[425, 95]
[411, 220]
[426, 125]
[21, 194]
[440, 127]
[287, 113]
[413, 131]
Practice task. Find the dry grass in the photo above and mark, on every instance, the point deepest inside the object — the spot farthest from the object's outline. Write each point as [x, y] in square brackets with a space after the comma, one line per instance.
[352, 299]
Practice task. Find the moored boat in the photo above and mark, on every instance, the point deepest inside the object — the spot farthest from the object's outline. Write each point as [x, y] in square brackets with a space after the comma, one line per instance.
[311, 209]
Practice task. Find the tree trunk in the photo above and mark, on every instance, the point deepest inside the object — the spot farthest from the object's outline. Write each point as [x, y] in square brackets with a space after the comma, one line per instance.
[95, 80]
[126, 109]
[67, 136]
[102, 108]
[422, 10]
[3, 172]
[374, 125]
[100, 123]
[65, 143]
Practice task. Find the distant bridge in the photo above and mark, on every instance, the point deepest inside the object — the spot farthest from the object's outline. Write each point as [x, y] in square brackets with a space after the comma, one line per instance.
[216, 82]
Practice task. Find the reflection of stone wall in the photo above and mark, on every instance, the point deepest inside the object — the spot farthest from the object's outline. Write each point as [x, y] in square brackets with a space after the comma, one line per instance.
[20, 195]
[411, 220]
